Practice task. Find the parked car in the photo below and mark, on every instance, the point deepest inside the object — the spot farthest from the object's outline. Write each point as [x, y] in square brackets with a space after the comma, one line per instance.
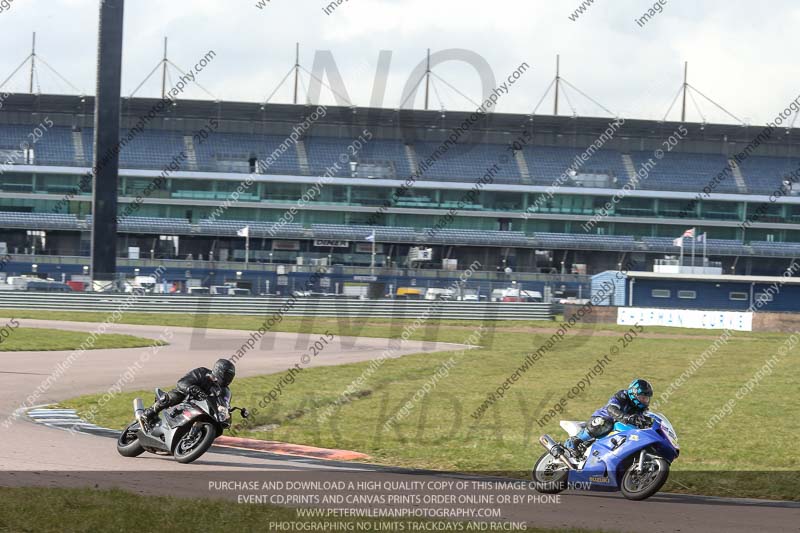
[47, 286]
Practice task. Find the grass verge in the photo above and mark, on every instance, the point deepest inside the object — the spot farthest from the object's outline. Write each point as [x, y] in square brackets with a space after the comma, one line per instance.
[41, 339]
[726, 458]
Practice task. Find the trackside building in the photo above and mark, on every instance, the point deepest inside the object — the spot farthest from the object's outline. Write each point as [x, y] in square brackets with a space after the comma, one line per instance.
[701, 291]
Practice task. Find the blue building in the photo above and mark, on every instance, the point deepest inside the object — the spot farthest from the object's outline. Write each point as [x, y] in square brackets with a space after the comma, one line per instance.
[700, 291]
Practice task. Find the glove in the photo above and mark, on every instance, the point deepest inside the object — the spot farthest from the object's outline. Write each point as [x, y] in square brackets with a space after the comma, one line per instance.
[197, 392]
[635, 420]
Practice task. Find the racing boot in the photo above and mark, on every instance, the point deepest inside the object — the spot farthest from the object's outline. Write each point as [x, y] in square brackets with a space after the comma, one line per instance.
[577, 444]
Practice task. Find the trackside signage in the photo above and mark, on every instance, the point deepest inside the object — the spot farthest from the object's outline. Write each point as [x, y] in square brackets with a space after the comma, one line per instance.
[685, 318]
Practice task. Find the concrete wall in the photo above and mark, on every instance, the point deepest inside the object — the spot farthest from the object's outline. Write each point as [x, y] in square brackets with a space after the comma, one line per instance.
[600, 314]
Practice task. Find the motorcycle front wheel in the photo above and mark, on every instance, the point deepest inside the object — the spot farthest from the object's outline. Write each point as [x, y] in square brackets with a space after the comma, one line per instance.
[549, 475]
[637, 485]
[128, 443]
[191, 446]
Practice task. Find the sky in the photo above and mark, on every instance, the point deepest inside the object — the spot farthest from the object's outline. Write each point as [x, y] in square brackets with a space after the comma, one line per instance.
[741, 54]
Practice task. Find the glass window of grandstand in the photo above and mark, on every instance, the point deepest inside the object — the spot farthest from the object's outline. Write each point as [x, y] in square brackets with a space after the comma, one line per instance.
[372, 196]
[660, 293]
[738, 296]
[282, 192]
[54, 184]
[765, 212]
[16, 183]
[720, 210]
[503, 201]
[683, 208]
[138, 186]
[573, 204]
[539, 203]
[193, 189]
[793, 213]
[635, 207]
[453, 199]
[687, 295]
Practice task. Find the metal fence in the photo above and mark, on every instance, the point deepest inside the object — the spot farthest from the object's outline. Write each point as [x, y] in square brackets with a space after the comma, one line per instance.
[268, 306]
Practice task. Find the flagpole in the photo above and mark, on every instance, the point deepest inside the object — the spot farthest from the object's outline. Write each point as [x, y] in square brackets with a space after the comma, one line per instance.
[705, 243]
[680, 262]
[694, 240]
[247, 248]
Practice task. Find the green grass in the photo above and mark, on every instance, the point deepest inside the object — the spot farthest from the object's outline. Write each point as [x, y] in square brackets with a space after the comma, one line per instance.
[46, 510]
[40, 339]
[440, 433]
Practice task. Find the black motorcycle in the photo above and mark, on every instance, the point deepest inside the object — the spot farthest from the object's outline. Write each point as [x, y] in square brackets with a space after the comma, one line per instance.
[185, 431]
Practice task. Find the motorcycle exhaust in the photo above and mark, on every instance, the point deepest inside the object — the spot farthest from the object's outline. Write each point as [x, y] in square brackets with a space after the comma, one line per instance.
[138, 410]
[556, 450]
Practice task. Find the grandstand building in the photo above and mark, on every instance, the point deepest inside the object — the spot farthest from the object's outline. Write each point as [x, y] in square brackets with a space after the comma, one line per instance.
[529, 194]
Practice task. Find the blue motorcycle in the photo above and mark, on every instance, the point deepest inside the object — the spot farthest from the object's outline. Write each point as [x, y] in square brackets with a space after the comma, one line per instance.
[634, 460]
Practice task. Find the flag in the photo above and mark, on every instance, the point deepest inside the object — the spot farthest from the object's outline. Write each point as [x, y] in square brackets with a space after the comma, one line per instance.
[371, 237]
[701, 238]
[678, 242]
[689, 233]
[244, 232]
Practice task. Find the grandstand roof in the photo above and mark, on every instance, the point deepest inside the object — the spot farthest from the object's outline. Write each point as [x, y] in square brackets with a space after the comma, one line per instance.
[78, 111]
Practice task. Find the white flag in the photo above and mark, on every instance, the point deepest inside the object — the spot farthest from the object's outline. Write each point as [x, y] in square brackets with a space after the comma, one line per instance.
[678, 242]
[371, 237]
[244, 232]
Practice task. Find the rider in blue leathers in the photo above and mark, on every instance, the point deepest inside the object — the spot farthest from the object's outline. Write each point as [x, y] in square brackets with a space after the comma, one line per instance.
[627, 406]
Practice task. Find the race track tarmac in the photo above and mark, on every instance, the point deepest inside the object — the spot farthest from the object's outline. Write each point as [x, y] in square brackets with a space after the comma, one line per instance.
[36, 455]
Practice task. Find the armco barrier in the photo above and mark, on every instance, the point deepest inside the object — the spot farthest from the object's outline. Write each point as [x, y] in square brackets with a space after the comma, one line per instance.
[264, 306]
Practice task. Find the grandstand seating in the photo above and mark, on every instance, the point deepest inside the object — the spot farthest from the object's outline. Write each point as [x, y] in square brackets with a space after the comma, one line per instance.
[776, 249]
[257, 229]
[222, 151]
[232, 152]
[324, 152]
[684, 172]
[584, 241]
[38, 221]
[547, 163]
[464, 162]
[408, 235]
[166, 226]
[765, 174]
[54, 147]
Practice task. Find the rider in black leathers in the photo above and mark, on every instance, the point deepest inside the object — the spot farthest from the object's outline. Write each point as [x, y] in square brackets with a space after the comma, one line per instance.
[198, 383]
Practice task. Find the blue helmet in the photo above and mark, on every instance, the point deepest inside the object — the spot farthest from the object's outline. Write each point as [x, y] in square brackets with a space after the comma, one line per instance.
[640, 391]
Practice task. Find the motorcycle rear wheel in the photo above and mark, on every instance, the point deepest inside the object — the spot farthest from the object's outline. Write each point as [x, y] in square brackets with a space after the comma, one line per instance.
[640, 486]
[188, 449]
[549, 475]
[128, 443]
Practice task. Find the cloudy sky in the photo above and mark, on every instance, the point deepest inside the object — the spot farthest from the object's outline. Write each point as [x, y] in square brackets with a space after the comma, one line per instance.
[741, 53]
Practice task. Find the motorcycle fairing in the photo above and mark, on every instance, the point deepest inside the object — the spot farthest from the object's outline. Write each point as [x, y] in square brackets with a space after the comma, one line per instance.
[605, 458]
